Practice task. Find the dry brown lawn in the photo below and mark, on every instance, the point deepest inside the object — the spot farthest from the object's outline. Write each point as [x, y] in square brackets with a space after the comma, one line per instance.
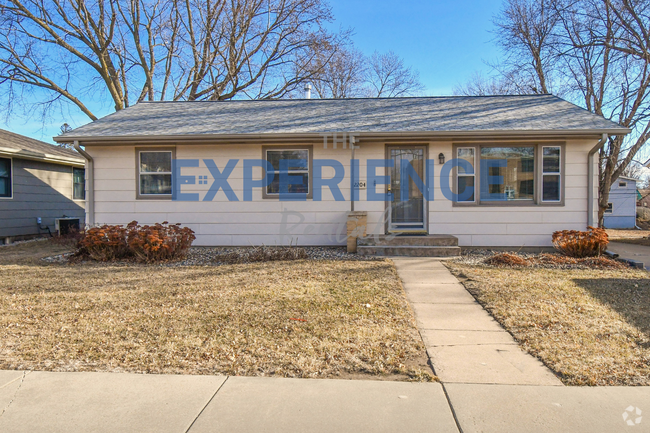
[291, 319]
[639, 237]
[592, 327]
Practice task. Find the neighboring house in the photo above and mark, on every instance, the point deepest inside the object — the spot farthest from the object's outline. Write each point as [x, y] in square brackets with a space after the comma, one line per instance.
[38, 180]
[621, 209]
[548, 172]
[643, 198]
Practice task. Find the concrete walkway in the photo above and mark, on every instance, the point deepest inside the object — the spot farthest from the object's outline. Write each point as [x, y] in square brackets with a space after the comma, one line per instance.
[465, 344]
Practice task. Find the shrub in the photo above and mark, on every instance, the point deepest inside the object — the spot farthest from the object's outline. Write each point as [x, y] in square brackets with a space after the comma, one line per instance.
[104, 243]
[70, 239]
[160, 242]
[590, 262]
[263, 254]
[643, 214]
[157, 243]
[575, 243]
[506, 259]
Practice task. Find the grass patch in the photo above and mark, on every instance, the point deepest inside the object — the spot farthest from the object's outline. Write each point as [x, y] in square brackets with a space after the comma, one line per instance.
[290, 319]
[592, 327]
[637, 237]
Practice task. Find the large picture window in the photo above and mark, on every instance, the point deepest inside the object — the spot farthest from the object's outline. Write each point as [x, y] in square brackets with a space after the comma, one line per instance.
[5, 178]
[510, 174]
[155, 173]
[78, 183]
[506, 173]
[294, 163]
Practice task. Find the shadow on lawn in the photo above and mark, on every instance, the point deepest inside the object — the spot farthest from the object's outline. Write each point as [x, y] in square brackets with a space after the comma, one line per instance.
[628, 297]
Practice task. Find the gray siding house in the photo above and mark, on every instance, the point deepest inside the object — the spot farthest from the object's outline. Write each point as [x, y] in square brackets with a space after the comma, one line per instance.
[39, 184]
[621, 210]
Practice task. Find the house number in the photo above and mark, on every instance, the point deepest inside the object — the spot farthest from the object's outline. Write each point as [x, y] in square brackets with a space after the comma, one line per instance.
[360, 185]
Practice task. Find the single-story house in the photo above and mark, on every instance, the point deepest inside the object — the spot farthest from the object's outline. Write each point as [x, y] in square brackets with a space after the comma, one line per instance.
[42, 187]
[528, 168]
[621, 206]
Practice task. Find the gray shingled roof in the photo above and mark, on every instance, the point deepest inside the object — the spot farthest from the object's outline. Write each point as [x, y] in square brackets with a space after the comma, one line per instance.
[19, 145]
[313, 116]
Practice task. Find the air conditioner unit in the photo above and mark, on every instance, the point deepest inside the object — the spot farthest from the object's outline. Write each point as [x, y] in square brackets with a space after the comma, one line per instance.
[63, 226]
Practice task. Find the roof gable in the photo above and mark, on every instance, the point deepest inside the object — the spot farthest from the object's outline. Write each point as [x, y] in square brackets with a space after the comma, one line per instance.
[21, 146]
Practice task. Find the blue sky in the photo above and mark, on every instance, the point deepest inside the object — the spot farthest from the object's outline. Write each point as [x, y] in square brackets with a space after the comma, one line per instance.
[446, 41]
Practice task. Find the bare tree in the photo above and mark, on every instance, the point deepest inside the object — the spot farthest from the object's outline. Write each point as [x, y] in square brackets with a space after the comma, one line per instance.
[78, 52]
[387, 77]
[479, 85]
[525, 31]
[634, 171]
[339, 74]
[592, 52]
[349, 74]
[607, 78]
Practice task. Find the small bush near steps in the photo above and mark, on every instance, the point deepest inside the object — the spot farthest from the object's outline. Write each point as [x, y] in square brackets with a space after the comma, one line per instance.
[145, 244]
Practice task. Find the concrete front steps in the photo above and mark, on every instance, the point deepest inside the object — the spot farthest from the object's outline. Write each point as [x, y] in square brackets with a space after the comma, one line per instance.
[409, 245]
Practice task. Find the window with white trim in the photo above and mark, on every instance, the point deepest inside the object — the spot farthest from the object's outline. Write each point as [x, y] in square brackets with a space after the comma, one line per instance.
[609, 208]
[465, 179]
[5, 178]
[78, 183]
[298, 170]
[155, 172]
[551, 173]
[512, 174]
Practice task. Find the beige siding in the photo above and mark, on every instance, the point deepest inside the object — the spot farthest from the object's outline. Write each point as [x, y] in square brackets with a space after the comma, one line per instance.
[520, 225]
[272, 222]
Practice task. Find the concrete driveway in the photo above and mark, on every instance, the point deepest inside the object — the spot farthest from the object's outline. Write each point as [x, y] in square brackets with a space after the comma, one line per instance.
[639, 253]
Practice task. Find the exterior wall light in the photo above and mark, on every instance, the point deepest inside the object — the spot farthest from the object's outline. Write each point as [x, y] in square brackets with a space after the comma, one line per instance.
[441, 159]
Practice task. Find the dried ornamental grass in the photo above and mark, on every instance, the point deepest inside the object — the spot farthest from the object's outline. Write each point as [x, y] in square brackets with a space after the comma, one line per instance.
[575, 243]
[510, 260]
[600, 262]
[262, 254]
[506, 259]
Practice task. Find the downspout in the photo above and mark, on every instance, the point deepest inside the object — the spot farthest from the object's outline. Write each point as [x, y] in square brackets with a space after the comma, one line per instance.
[352, 143]
[590, 180]
[90, 184]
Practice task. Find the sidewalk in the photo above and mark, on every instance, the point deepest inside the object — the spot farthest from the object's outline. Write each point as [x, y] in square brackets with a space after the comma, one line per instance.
[465, 344]
[115, 402]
